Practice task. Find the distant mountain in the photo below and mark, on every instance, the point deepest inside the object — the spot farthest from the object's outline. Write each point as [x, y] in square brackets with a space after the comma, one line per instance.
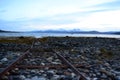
[3, 31]
[117, 33]
[75, 31]
[66, 31]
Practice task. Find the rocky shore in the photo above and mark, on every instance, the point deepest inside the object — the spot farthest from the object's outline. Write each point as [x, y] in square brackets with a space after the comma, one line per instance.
[99, 57]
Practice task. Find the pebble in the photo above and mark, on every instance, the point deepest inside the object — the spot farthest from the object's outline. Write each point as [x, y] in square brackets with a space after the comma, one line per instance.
[22, 77]
[4, 60]
[43, 64]
[85, 51]
[33, 71]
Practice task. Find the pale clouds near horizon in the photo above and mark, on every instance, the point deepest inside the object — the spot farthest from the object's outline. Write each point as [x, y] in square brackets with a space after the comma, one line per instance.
[26, 15]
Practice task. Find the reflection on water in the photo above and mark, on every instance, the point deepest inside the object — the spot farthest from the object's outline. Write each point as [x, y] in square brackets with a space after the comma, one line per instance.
[38, 35]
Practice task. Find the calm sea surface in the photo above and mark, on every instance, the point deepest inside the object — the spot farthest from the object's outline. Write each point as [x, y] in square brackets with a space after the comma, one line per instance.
[38, 35]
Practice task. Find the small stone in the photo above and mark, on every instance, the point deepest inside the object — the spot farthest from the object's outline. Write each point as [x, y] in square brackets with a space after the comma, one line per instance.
[55, 77]
[106, 72]
[51, 71]
[43, 64]
[4, 78]
[4, 60]
[59, 72]
[18, 54]
[98, 74]
[28, 76]
[118, 78]
[67, 78]
[33, 71]
[55, 63]
[41, 71]
[118, 69]
[7, 73]
[50, 59]
[94, 75]
[86, 71]
[107, 64]
[16, 69]
[73, 75]
[37, 43]
[67, 73]
[22, 77]
[44, 75]
[95, 79]
[104, 76]
[49, 75]
[57, 60]
[46, 68]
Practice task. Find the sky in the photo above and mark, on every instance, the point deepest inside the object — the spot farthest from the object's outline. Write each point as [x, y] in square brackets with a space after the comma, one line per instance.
[87, 15]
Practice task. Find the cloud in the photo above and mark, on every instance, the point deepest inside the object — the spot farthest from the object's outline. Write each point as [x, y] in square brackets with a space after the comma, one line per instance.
[33, 9]
[66, 14]
[100, 21]
[114, 4]
[95, 21]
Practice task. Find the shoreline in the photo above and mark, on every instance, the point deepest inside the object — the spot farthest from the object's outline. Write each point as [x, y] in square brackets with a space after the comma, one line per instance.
[40, 35]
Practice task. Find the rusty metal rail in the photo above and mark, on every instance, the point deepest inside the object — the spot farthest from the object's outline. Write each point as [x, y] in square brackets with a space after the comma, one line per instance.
[51, 66]
[67, 64]
[75, 70]
[9, 67]
[12, 65]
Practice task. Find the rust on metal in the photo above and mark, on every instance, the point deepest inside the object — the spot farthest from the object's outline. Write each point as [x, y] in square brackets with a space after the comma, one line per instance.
[49, 66]
[67, 64]
[9, 67]
[75, 70]
[12, 65]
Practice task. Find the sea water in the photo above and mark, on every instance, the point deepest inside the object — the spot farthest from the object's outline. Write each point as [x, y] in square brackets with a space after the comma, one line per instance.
[39, 35]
